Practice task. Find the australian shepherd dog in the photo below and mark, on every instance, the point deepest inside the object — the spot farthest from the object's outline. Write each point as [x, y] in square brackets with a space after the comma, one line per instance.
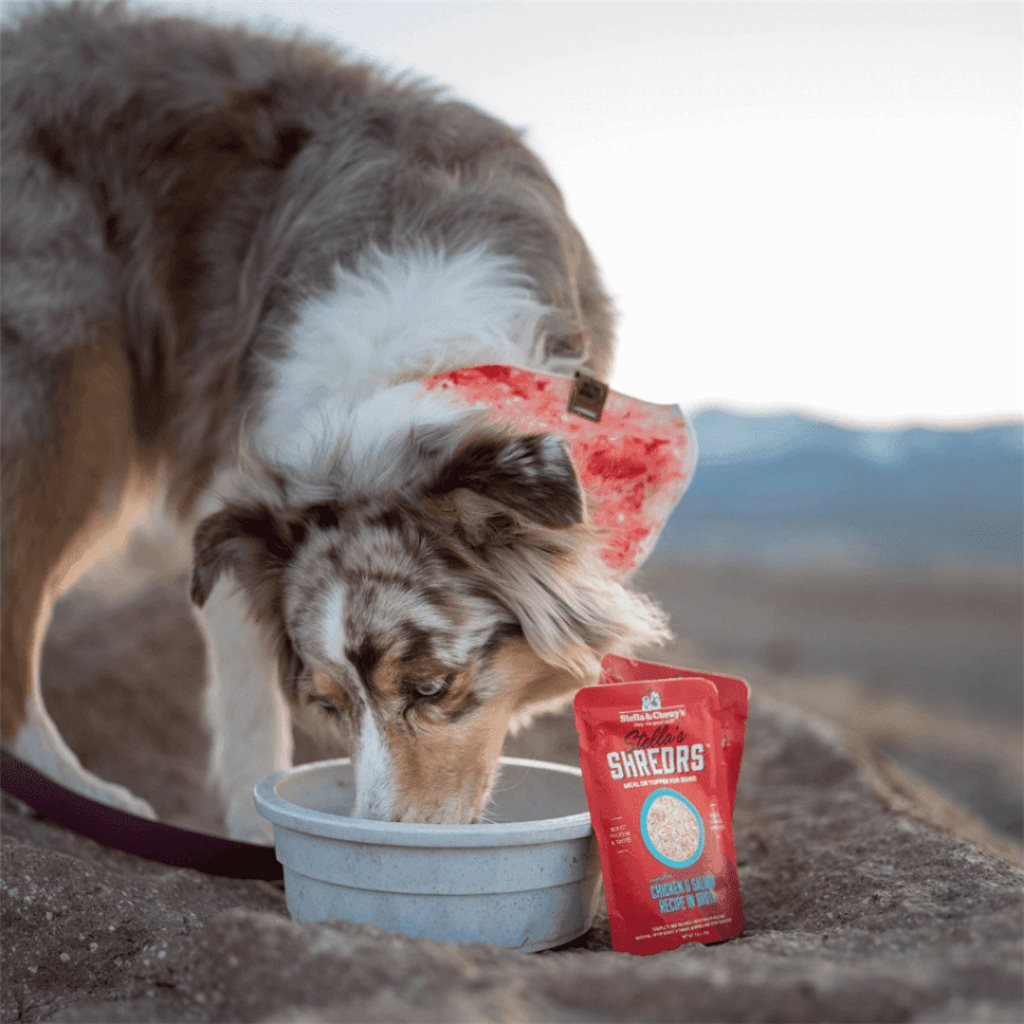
[228, 260]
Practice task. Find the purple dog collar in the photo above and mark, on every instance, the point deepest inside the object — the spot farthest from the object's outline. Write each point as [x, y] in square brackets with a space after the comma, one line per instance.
[153, 840]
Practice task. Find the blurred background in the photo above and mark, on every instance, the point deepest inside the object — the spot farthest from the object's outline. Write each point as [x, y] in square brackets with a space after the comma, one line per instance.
[810, 216]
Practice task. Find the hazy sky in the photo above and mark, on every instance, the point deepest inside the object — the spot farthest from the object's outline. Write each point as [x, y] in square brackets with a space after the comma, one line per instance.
[812, 206]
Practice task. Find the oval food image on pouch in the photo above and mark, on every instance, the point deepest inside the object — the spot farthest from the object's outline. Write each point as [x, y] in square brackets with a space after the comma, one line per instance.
[672, 828]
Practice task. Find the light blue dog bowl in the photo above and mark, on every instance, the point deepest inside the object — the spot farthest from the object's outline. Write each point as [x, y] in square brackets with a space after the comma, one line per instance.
[529, 881]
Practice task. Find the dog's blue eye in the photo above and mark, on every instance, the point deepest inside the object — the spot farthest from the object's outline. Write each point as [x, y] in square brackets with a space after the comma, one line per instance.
[431, 688]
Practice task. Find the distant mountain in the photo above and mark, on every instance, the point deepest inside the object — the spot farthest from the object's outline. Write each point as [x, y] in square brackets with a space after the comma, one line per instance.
[791, 489]
[729, 437]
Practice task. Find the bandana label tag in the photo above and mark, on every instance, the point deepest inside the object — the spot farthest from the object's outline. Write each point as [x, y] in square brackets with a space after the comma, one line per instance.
[588, 396]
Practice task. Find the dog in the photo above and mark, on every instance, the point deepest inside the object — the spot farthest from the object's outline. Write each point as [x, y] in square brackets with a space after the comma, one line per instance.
[227, 261]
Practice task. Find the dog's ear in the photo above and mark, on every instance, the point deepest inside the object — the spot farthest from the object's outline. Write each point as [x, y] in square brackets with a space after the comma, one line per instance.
[255, 544]
[252, 541]
[571, 606]
[517, 508]
[531, 475]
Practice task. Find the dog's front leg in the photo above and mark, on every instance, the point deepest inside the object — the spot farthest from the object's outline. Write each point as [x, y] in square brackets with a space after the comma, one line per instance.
[248, 716]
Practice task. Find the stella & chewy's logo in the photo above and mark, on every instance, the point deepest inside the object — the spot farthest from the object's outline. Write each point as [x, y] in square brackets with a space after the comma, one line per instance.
[652, 711]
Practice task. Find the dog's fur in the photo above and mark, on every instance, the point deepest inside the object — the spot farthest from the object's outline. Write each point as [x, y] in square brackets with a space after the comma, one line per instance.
[227, 259]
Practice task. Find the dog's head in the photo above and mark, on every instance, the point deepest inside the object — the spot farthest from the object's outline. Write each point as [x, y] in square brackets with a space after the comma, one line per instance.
[431, 619]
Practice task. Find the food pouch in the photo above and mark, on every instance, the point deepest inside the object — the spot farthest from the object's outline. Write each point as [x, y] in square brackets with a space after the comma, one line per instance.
[657, 783]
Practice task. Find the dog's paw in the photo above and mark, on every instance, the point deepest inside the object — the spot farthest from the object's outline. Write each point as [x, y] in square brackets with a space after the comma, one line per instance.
[244, 824]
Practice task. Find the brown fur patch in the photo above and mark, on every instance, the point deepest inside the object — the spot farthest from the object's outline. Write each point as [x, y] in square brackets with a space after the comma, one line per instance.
[61, 496]
[538, 685]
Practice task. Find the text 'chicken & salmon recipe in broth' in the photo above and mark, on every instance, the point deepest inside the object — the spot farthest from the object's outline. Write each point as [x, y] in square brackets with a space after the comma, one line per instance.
[660, 751]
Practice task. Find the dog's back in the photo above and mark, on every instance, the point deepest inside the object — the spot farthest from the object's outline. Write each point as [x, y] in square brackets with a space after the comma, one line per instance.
[182, 185]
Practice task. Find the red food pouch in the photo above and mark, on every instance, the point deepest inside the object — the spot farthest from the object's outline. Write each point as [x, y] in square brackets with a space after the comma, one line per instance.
[658, 786]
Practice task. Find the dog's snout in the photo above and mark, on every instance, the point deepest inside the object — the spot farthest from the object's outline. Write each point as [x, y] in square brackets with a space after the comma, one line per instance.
[432, 814]
[443, 815]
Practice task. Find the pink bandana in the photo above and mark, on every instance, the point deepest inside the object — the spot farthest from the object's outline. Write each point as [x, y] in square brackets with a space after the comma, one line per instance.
[634, 459]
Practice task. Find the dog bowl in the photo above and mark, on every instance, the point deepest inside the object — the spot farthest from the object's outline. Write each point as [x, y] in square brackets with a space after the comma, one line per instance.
[529, 881]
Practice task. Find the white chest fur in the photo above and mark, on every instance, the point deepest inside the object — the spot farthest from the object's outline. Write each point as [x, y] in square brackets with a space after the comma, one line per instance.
[355, 350]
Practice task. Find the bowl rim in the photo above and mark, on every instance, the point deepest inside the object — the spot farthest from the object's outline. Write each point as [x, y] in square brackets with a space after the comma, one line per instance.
[287, 814]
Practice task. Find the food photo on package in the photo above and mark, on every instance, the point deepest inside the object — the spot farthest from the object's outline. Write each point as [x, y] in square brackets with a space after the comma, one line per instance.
[660, 751]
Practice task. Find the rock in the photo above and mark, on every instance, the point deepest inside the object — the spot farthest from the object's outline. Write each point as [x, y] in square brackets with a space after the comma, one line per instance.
[855, 912]
[867, 898]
